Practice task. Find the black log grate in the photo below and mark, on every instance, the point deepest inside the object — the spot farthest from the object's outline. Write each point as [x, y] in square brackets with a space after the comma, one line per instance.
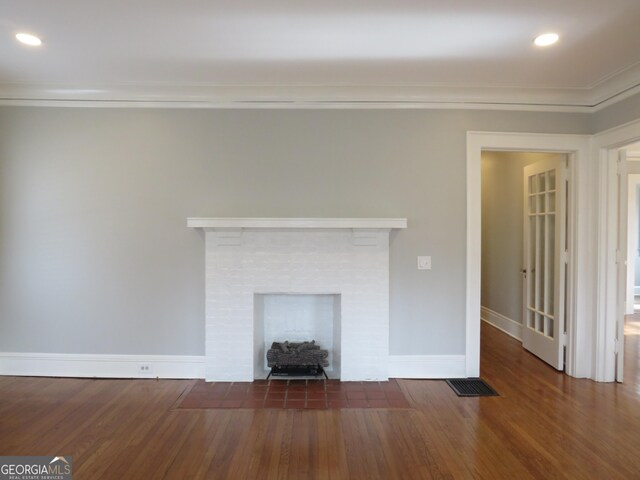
[471, 387]
[297, 371]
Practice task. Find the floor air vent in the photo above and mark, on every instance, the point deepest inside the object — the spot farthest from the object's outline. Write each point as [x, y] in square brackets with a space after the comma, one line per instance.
[471, 387]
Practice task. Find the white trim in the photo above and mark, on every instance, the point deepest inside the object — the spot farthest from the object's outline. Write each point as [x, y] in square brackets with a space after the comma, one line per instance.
[298, 223]
[183, 366]
[427, 366]
[501, 322]
[474, 253]
[303, 105]
[579, 298]
[608, 91]
[615, 87]
[100, 366]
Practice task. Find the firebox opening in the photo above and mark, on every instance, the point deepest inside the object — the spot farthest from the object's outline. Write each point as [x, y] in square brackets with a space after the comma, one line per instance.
[296, 317]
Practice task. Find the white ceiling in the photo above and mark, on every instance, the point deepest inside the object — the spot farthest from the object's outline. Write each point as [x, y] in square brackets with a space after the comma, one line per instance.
[362, 50]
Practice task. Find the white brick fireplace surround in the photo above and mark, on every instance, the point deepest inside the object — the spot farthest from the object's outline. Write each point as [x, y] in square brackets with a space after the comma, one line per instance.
[248, 257]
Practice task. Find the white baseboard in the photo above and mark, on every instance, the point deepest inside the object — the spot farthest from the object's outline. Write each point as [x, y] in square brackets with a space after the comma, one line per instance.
[180, 366]
[100, 366]
[505, 324]
[427, 366]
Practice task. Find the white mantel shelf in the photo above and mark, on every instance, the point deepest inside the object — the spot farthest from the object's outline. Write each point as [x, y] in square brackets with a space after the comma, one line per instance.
[297, 223]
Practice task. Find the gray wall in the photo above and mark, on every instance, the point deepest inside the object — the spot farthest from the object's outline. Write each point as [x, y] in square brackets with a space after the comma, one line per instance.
[502, 230]
[95, 256]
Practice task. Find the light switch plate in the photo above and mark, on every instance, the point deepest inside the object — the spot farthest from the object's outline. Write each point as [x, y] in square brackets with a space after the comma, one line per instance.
[424, 263]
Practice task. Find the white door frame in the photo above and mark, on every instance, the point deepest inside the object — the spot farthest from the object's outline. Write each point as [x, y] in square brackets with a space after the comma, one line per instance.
[605, 147]
[579, 298]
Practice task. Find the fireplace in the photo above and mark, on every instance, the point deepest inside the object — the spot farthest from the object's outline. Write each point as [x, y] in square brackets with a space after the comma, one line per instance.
[322, 277]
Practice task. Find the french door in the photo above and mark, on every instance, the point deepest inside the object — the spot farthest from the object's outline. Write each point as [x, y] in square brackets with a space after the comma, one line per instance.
[545, 247]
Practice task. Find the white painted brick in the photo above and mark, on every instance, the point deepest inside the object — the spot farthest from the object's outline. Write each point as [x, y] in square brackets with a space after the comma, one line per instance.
[295, 261]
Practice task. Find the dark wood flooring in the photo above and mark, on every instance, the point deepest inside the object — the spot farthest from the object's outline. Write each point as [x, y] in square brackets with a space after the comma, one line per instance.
[544, 425]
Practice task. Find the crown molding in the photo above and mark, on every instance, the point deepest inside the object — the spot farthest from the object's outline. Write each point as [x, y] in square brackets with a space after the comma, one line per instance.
[582, 100]
[615, 87]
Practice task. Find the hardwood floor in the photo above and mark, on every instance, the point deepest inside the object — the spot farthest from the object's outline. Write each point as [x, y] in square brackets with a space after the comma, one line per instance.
[544, 425]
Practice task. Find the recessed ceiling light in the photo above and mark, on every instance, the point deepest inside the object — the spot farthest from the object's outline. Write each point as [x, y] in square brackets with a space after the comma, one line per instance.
[546, 39]
[29, 39]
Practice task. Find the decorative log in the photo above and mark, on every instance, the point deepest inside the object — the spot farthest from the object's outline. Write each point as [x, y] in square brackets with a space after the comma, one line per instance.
[291, 353]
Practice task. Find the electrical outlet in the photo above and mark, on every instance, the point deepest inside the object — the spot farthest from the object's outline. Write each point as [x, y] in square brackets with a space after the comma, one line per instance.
[145, 369]
[424, 263]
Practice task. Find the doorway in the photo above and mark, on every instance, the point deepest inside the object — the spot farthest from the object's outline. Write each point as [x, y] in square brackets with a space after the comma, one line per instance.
[628, 265]
[632, 296]
[524, 241]
[579, 292]
[609, 294]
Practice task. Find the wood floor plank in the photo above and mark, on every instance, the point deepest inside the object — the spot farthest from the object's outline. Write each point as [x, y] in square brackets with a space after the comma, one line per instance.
[544, 425]
[208, 434]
